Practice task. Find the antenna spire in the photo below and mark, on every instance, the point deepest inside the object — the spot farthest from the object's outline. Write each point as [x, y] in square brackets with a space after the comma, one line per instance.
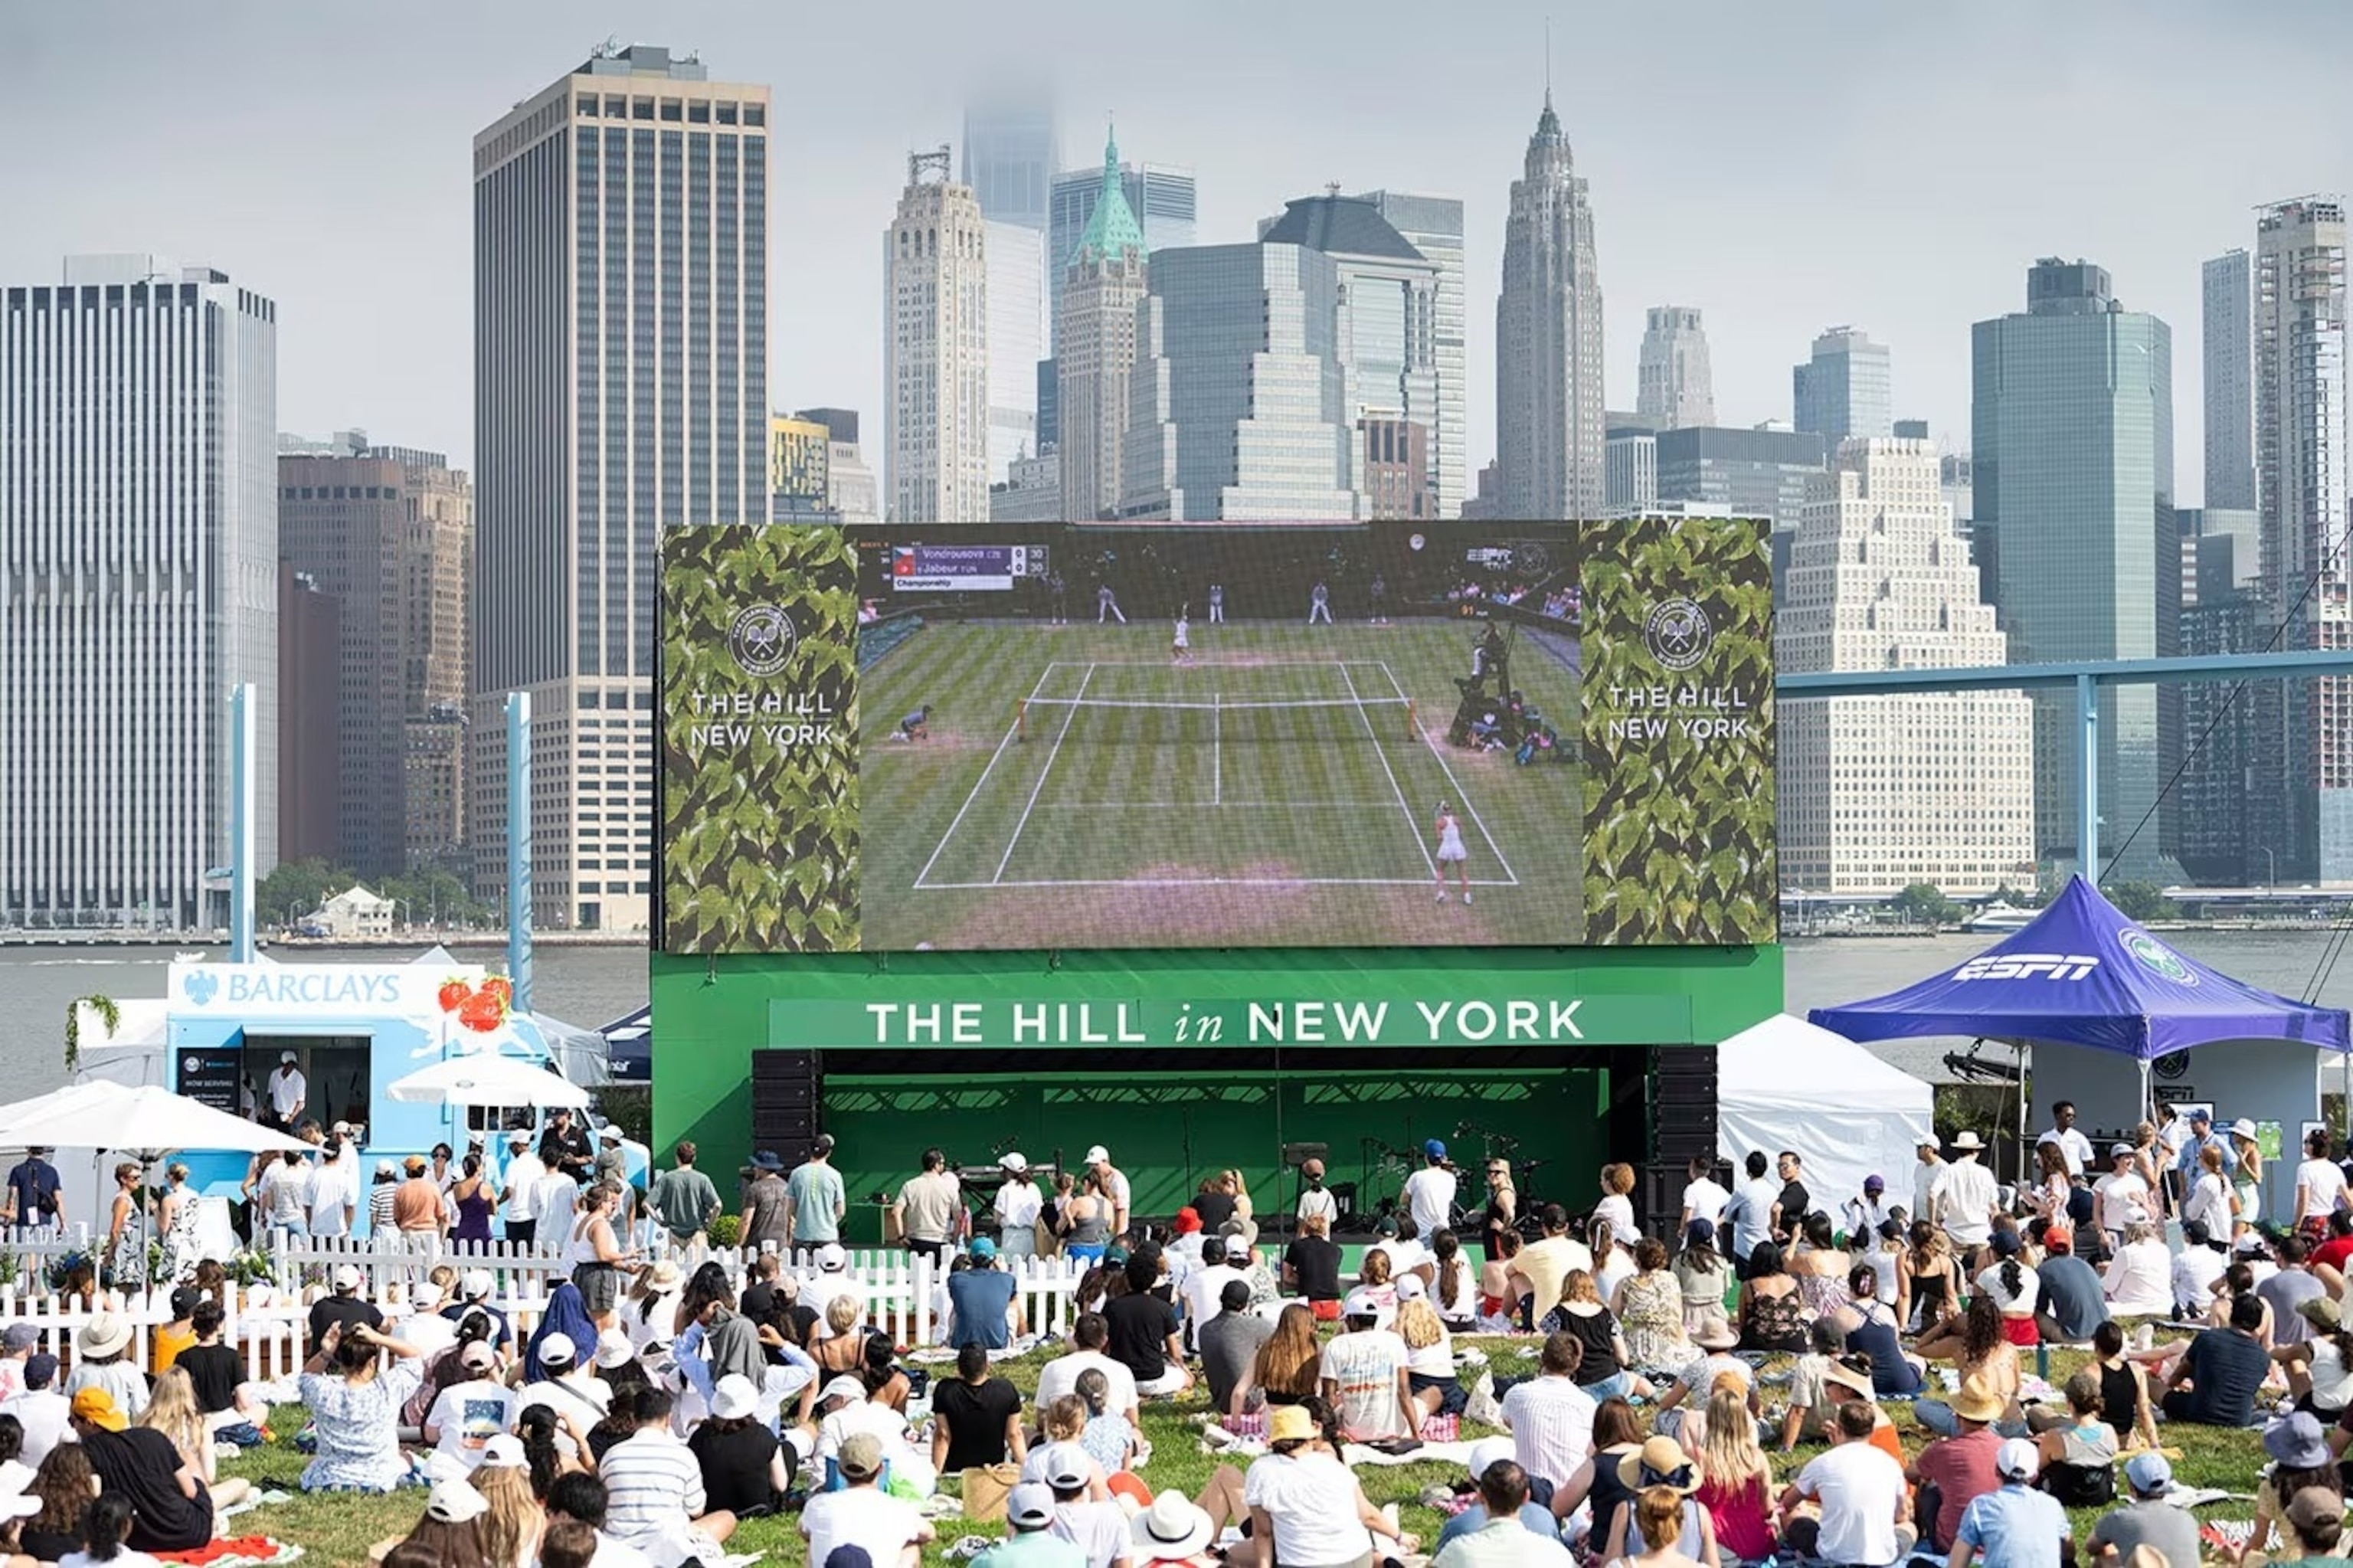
[1547, 62]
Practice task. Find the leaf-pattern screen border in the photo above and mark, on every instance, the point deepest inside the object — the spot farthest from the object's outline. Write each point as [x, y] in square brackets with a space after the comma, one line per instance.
[759, 840]
[1679, 828]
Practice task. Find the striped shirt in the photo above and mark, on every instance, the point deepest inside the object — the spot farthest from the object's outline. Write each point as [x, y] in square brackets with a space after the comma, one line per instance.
[653, 1483]
[1551, 1422]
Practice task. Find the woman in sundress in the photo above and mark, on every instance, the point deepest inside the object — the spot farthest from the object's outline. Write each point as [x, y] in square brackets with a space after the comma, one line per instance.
[126, 1235]
[175, 1220]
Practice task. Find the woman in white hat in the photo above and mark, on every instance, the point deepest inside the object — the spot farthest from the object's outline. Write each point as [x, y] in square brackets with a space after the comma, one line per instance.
[1173, 1530]
[1018, 1205]
[2249, 1180]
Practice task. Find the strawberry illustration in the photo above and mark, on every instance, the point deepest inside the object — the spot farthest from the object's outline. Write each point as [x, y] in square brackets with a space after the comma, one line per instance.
[453, 994]
[481, 1012]
[500, 987]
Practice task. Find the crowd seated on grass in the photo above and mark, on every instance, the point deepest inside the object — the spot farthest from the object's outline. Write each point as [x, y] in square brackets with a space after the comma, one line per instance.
[1810, 1375]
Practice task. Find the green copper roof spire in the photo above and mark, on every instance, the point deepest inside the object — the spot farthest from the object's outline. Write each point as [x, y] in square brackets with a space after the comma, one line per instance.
[1111, 230]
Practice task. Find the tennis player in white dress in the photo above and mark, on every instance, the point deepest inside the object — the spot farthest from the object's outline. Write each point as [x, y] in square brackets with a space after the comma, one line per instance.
[1450, 851]
[1180, 649]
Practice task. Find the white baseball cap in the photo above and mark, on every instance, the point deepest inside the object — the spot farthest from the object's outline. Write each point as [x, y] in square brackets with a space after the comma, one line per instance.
[831, 1258]
[1015, 1161]
[286, 1058]
[347, 1277]
[1098, 1155]
[557, 1350]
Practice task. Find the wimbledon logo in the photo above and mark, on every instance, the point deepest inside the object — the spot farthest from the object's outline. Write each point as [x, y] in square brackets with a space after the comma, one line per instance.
[2158, 958]
[760, 640]
[1677, 633]
[2027, 966]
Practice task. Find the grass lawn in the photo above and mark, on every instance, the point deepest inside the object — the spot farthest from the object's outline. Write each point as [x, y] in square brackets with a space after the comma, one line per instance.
[1273, 791]
[339, 1530]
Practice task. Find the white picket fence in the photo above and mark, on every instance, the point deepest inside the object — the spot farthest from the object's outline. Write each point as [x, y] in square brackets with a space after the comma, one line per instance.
[904, 1297]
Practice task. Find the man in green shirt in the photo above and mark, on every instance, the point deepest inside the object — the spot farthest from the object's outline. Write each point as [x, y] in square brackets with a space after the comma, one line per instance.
[683, 1199]
[815, 1201]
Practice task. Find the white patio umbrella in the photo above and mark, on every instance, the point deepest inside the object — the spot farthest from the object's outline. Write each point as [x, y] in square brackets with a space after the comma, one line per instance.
[487, 1080]
[103, 1115]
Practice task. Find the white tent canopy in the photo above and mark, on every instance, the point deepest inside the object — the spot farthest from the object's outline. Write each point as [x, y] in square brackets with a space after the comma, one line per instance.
[1787, 1084]
[487, 1079]
[103, 1115]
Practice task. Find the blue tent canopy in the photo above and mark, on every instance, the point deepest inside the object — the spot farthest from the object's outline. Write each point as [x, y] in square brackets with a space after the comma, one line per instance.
[630, 1047]
[2081, 974]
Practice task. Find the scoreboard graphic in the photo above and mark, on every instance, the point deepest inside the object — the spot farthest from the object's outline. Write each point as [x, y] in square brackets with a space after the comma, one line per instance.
[964, 568]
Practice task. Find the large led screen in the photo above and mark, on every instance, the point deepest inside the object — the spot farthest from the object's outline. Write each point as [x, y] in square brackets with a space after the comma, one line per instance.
[1045, 735]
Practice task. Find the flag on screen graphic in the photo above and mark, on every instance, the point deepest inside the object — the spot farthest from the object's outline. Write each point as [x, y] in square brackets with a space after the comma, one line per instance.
[902, 560]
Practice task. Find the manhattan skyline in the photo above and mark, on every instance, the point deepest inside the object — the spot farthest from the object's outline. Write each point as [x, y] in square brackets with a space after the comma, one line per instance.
[325, 162]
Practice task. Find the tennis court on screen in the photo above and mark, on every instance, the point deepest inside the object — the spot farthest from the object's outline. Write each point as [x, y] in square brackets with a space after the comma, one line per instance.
[1273, 773]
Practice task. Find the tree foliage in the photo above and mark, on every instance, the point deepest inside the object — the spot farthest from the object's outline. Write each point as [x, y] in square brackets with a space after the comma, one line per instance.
[2141, 901]
[1927, 904]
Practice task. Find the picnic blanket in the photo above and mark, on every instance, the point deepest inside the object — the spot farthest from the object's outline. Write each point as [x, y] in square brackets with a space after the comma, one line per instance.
[236, 1552]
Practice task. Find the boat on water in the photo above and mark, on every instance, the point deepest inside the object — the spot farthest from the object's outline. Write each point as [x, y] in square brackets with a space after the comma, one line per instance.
[2000, 916]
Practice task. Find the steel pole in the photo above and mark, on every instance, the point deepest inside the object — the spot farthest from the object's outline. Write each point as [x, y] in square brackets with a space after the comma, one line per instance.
[2087, 776]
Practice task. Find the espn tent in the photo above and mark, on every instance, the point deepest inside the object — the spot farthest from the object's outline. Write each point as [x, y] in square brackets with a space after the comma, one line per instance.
[1788, 1084]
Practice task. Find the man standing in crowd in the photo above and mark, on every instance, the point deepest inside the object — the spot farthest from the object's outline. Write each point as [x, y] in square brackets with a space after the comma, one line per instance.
[818, 1202]
[930, 1211]
[417, 1214]
[1550, 1418]
[522, 1174]
[288, 1093]
[1113, 1184]
[765, 1205]
[684, 1199]
[1965, 1199]
[1314, 1200]
[2073, 1144]
[984, 1306]
[1750, 1212]
[1793, 1203]
[1704, 1198]
[1865, 1511]
[35, 1196]
[2121, 1199]
[2203, 1135]
[574, 1145]
[1430, 1191]
[1924, 1178]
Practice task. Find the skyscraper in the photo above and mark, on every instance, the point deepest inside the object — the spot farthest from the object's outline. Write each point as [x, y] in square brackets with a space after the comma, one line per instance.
[1675, 388]
[935, 365]
[2228, 309]
[1750, 473]
[1017, 340]
[1846, 388]
[1103, 282]
[620, 388]
[1630, 468]
[388, 530]
[138, 584]
[1236, 411]
[1387, 344]
[1433, 225]
[1010, 159]
[1548, 438]
[2302, 495]
[1877, 793]
[2072, 422]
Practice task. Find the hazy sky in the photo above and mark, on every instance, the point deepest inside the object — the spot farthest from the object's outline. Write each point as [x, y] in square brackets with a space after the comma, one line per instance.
[1783, 167]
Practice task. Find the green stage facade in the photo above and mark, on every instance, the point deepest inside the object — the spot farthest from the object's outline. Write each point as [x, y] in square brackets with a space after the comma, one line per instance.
[1187, 1061]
